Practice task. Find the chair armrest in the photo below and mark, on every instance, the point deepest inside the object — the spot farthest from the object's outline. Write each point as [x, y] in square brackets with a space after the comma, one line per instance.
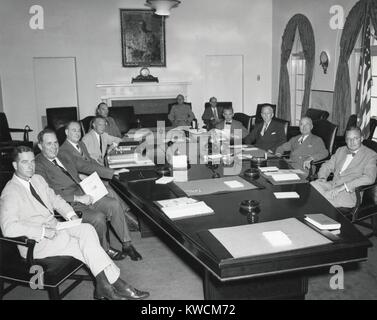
[25, 130]
[314, 168]
[357, 209]
[23, 241]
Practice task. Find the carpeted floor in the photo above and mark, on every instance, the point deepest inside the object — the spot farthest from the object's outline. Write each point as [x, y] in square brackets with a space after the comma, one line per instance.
[168, 276]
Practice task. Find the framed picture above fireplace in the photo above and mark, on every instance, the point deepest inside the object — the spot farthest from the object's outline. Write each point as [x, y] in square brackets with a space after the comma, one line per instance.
[143, 38]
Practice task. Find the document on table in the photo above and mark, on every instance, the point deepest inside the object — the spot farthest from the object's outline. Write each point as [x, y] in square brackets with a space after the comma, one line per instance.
[164, 180]
[286, 195]
[285, 176]
[268, 169]
[94, 187]
[184, 207]
[68, 224]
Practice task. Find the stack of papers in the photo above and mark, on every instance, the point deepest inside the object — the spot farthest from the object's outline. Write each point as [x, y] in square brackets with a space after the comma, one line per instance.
[322, 221]
[286, 195]
[285, 176]
[268, 169]
[184, 207]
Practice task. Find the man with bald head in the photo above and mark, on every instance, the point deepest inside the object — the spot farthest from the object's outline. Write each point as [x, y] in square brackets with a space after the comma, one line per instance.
[269, 134]
[305, 147]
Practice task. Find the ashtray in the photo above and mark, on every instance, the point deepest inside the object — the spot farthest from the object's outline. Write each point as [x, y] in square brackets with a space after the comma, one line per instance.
[259, 162]
[163, 171]
[252, 173]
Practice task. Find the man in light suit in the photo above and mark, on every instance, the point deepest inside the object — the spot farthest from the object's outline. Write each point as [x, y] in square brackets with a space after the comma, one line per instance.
[353, 165]
[231, 128]
[98, 142]
[62, 176]
[305, 147]
[269, 134]
[74, 149]
[27, 207]
[213, 114]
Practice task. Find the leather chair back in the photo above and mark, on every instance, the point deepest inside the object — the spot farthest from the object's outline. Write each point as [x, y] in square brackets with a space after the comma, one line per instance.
[57, 118]
[372, 124]
[4, 128]
[223, 104]
[327, 131]
[86, 124]
[286, 125]
[317, 114]
[244, 119]
[258, 116]
[124, 117]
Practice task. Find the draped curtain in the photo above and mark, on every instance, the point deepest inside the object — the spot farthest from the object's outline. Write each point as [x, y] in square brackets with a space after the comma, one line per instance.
[305, 30]
[352, 27]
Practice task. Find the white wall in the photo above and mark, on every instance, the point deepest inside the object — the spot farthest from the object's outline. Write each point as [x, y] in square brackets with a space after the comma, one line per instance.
[90, 31]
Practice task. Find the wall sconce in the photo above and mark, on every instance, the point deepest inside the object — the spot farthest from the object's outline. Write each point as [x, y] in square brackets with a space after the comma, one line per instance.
[162, 7]
[324, 61]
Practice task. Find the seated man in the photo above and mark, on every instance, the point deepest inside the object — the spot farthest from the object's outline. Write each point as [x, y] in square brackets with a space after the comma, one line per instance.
[269, 134]
[74, 149]
[97, 140]
[62, 176]
[27, 207]
[305, 147]
[231, 128]
[212, 115]
[111, 127]
[353, 166]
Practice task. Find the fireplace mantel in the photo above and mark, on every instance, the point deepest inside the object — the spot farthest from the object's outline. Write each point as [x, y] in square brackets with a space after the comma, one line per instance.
[136, 91]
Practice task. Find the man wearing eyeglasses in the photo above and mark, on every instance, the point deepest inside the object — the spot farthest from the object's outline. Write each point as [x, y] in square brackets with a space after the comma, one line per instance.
[353, 165]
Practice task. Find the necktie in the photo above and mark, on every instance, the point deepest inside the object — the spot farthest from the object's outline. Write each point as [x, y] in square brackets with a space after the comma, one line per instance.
[100, 144]
[79, 149]
[228, 122]
[36, 196]
[301, 140]
[351, 153]
[65, 172]
[214, 110]
[264, 129]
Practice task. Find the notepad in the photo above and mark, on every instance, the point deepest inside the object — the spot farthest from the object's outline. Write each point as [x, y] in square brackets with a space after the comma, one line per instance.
[234, 184]
[164, 180]
[285, 177]
[323, 222]
[268, 169]
[286, 195]
[68, 224]
[277, 238]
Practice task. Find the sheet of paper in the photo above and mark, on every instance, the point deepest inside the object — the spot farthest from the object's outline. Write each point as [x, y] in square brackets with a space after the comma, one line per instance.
[187, 210]
[164, 180]
[180, 175]
[179, 162]
[249, 149]
[68, 224]
[285, 177]
[176, 202]
[286, 195]
[268, 169]
[94, 187]
[277, 238]
[234, 184]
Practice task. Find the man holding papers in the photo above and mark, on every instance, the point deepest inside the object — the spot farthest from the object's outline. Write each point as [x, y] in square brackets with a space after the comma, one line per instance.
[27, 207]
[62, 176]
[304, 148]
[353, 166]
[75, 150]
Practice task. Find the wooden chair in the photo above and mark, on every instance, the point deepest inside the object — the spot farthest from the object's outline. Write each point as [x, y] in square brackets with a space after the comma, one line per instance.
[57, 118]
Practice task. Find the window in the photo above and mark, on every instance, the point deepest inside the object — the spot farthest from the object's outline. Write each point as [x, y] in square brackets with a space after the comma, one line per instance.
[296, 70]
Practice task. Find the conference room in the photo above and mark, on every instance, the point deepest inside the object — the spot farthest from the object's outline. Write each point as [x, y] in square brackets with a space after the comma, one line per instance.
[237, 141]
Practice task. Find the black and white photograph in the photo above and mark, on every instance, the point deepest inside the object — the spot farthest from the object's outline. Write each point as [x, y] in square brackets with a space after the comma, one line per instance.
[188, 154]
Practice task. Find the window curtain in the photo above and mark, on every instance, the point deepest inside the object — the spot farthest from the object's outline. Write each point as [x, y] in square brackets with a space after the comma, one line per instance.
[342, 90]
[308, 45]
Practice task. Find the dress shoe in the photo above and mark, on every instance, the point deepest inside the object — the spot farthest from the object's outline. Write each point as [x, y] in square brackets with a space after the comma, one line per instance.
[128, 292]
[115, 254]
[131, 251]
[104, 290]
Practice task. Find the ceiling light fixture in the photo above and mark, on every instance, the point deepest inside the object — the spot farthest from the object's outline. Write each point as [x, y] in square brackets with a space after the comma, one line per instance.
[162, 7]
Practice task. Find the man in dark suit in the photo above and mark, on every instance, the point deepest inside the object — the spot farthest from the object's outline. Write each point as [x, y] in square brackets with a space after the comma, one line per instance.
[63, 178]
[353, 165]
[230, 127]
[76, 150]
[213, 114]
[269, 134]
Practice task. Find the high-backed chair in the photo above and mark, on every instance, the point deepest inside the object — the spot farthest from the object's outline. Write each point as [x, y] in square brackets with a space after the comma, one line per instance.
[372, 127]
[170, 105]
[317, 114]
[57, 118]
[244, 119]
[341, 140]
[286, 124]
[124, 117]
[220, 106]
[86, 124]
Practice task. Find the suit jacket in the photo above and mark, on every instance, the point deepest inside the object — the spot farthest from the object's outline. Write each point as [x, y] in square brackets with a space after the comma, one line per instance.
[57, 179]
[312, 146]
[83, 162]
[22, 215]
[93, 146]
[208, 113]
[235, 125]
[361, 171]
[272, 138]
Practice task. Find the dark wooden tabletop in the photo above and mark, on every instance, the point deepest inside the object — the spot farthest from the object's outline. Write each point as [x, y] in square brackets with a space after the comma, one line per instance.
[193, 236]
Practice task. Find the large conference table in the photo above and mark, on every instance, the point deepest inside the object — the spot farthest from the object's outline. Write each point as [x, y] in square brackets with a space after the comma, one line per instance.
[281, 275]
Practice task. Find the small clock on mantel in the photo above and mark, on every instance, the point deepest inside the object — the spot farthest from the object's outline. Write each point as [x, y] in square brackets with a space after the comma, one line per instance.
[144, 76]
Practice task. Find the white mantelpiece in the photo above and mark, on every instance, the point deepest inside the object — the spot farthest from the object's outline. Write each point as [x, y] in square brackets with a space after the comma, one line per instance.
[148, 90]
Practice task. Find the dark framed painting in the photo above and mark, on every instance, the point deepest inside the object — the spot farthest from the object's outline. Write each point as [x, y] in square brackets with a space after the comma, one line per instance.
[143, 38]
